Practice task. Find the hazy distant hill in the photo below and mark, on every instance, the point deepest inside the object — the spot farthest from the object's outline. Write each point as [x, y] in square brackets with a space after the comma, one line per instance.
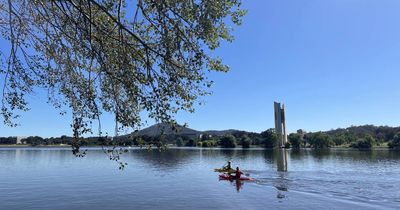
[158, 129]
[164, 128]
[378, 132]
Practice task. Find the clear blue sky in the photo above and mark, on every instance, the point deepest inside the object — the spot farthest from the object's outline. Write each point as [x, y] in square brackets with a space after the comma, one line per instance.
[334, 63]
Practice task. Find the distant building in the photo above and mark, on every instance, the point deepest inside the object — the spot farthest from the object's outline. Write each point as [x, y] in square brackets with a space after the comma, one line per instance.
[301, 132]
[205, 136]
[280, 123]
[20, 139]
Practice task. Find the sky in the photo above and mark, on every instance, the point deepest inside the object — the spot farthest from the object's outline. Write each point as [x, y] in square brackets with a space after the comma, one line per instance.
[333, 63]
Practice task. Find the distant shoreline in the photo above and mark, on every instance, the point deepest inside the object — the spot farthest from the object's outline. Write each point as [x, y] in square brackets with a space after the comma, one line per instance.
[30, 146]
[175, 147]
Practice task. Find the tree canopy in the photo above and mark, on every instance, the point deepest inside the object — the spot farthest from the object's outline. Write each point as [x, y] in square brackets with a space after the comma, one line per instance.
[270, 138]
[120, 57]
[228, 141]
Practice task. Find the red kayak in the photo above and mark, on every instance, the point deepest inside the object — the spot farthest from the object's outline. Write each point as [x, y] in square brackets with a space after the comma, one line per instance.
[228, 177]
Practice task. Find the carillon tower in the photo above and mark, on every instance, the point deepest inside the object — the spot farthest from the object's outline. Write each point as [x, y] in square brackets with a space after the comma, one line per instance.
[280, 123]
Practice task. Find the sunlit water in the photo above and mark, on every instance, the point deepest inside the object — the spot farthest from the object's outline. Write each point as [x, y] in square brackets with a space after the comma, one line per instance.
[52, 178]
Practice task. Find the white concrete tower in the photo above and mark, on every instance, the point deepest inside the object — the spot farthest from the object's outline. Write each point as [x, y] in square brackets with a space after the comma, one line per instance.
[280, 123]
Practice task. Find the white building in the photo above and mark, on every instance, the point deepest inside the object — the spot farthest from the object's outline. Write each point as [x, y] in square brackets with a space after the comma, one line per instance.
[20, 139]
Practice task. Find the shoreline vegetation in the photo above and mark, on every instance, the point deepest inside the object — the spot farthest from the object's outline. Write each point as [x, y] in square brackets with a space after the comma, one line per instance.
[356, 137]
[175, 146]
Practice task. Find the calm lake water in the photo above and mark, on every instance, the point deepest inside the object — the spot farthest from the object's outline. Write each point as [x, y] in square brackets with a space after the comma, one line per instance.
[183, 178]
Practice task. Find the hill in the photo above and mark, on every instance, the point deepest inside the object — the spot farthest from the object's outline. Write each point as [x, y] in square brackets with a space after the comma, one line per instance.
[166, 129]
[380, 132]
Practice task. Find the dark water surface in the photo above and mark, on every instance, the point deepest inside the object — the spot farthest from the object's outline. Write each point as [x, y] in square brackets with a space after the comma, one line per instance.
[52, 178]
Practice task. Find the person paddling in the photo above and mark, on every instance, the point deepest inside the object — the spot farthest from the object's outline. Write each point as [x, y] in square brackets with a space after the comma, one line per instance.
[228, 166]
[238, 173]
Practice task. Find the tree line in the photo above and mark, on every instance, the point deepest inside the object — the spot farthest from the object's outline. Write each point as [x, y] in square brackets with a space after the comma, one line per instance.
[362, 137]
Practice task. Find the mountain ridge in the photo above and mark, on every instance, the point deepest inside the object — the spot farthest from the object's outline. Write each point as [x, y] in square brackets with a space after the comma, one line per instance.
[385, 132]
[166, 129]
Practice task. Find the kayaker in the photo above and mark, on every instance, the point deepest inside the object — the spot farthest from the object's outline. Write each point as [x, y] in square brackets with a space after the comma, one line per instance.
[238, 173]
[228, 166]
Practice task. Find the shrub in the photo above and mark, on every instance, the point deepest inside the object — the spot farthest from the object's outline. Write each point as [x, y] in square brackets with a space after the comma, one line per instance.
[365, 143]
[209, 143]
[245, 141]
[179, 142]
[295, 140]
[395, 143]
[269, 138]
[339, 140]
[191, 143]
[319, 140]
[287, 145]
[35, 140]
[228, 141]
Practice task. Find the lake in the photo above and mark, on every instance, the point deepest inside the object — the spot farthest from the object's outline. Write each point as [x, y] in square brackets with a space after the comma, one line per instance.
[183, 178]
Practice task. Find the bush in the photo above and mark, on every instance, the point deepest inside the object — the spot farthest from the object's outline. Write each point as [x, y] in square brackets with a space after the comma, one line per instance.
[395, 143]
[365, 143]
[199, 144]
[339, 140]
[35, 140]
[295, 140]
[257, 140]
[228, 141]
[212, 143]
[269, 138]
[270, 143]
[361, 144]
[8, 140]
[191, 143]
[205, 144]
[179, 142]
[287, 145]
[319, 140]
[245, 141]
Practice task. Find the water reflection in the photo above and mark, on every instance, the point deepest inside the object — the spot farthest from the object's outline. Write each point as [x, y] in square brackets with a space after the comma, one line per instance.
[321, 155]
[238, 184]
[228, 153]
[296, 154]
[316, 179]
[281, 183]
[166, 160]
[281, 156]
[269, 157]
